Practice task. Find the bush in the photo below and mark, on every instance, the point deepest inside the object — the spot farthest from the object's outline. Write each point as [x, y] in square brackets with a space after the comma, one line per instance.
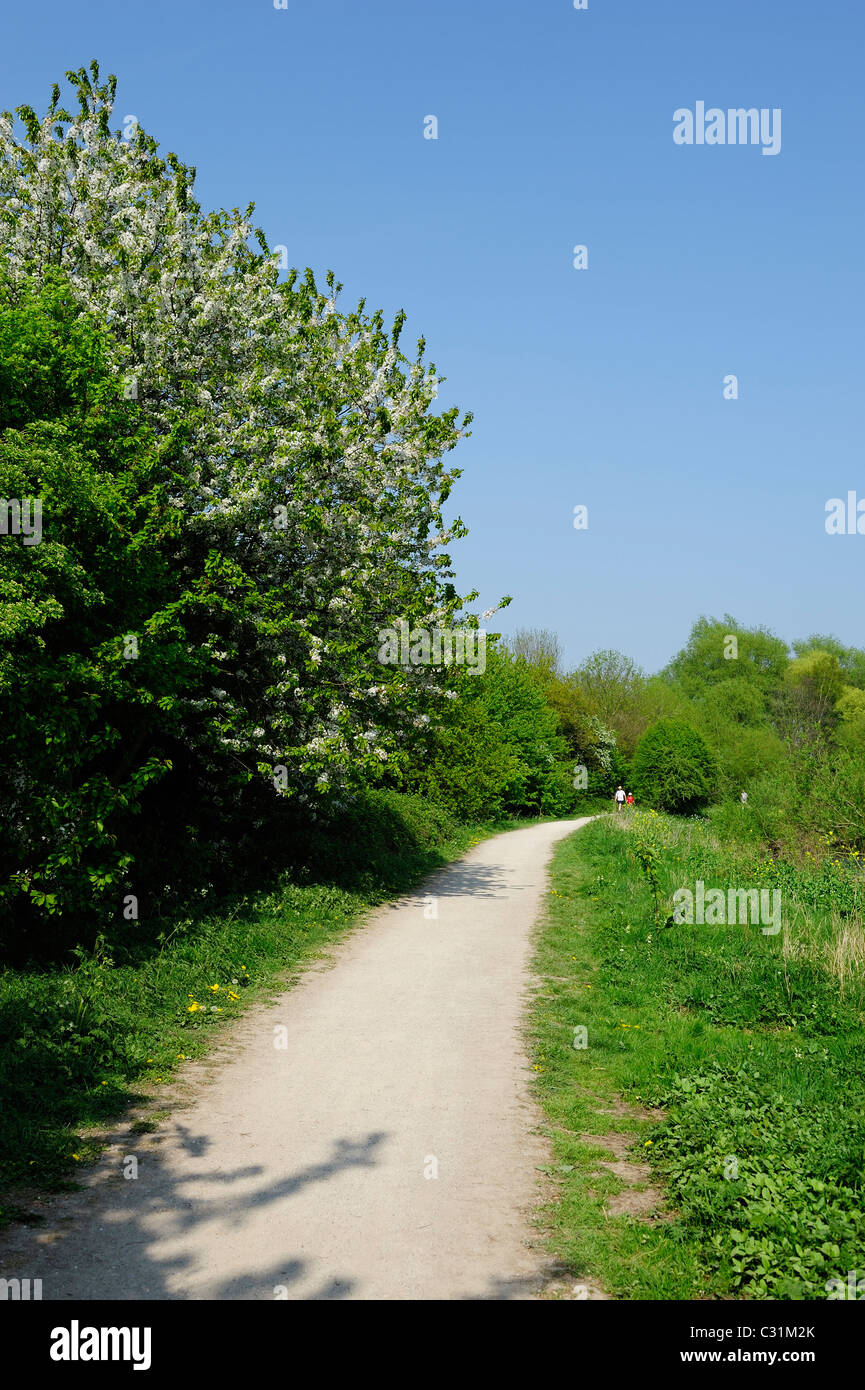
[673, 768]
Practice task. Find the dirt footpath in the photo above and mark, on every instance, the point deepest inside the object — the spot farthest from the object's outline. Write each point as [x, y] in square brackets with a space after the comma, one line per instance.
[368, 1136]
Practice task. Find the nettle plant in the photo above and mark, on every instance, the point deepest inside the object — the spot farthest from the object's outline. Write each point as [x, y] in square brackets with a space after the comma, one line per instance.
[295, 443]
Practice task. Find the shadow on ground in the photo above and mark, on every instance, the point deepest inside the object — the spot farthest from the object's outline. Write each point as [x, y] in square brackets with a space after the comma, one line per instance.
[97, 1244]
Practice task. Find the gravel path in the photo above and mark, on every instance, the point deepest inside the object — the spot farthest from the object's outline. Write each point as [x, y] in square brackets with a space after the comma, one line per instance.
[386, 1151]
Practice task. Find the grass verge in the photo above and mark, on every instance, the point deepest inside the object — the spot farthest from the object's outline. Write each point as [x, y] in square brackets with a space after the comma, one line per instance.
[722, 1071]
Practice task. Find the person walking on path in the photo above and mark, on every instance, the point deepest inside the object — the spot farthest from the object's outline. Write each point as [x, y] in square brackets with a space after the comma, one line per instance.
[620, 798]
[630, 798]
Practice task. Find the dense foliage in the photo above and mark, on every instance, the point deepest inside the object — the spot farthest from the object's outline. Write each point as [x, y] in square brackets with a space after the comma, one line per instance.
[672, 767]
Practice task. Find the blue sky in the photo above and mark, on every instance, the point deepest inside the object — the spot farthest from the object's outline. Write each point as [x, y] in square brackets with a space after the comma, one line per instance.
[601, 387]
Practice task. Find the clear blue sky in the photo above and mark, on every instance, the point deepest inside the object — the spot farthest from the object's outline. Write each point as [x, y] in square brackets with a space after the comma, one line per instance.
[601, 387]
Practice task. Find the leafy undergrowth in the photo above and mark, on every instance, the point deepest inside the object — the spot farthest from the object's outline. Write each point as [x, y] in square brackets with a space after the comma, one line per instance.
[747, 1047]
[781, 1209]
[83, 1040]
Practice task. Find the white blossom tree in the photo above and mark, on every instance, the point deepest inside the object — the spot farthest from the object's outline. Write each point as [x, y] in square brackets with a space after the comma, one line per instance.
[296, 441]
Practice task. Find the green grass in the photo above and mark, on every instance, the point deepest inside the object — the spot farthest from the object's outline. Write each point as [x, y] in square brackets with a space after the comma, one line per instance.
[752, 1046]
[83, 1041]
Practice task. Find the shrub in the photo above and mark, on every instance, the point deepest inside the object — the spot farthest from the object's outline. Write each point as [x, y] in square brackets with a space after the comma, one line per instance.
[673, 768]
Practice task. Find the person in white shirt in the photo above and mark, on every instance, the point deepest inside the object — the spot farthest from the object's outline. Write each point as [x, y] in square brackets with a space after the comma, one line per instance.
[620, 798]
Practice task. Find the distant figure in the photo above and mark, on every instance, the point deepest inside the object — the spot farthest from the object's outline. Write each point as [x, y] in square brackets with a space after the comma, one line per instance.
[630, 798]
[620, 798]
[743, 797]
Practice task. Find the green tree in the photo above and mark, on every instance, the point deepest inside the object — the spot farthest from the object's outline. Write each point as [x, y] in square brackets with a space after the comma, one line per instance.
[732, 718]
[78, 715]
[672, 768]
[622, 698]
[610, 680]
[497, 749]
[297, 442]
[850, 659]
[722, 651]
[850, 732]
[540, 648]
[806, 704]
